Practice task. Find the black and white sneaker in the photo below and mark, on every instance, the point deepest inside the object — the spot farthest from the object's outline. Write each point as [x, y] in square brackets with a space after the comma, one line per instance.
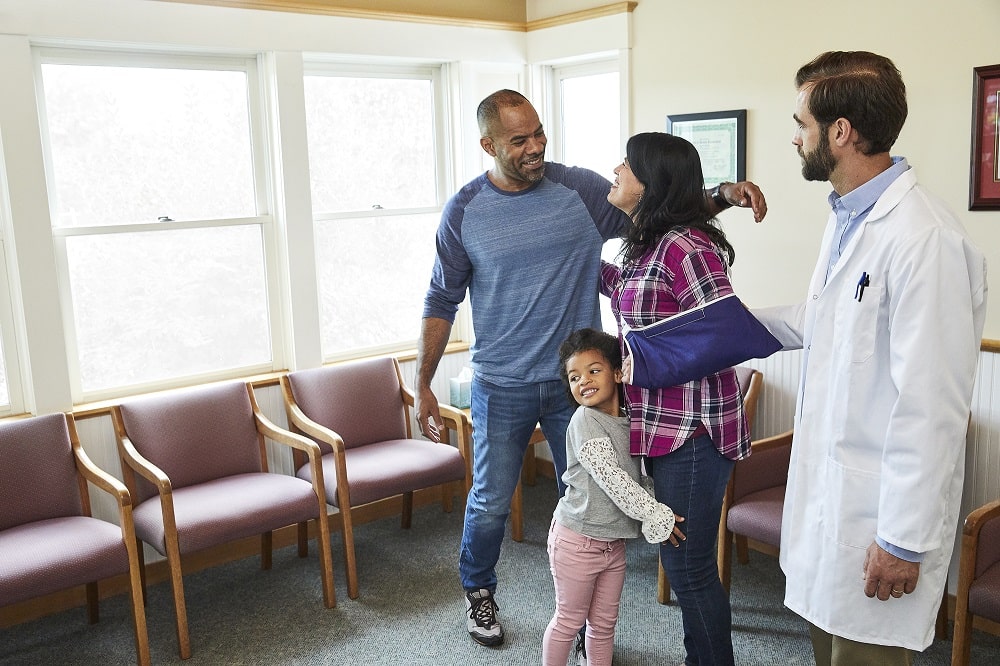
[481, 609]
[581, 651]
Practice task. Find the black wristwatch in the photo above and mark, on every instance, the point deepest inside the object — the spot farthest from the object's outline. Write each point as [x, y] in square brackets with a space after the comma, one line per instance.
[718, 198]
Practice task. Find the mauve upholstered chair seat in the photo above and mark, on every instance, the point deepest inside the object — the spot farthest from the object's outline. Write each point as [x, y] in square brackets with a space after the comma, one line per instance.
[58, 553]
[227, 509]
[391, 468]
[758, 515]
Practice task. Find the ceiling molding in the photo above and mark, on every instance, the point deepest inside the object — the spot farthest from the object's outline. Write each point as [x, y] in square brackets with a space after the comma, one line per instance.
[327, 8]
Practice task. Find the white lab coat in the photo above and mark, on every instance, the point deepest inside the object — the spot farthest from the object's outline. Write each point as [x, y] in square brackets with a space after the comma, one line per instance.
[881, 415]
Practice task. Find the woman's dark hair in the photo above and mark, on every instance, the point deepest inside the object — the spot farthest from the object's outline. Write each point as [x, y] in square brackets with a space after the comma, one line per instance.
[670, 170]
[586, 339]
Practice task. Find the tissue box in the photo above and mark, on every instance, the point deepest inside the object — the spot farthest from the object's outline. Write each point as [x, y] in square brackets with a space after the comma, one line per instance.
[461, 392]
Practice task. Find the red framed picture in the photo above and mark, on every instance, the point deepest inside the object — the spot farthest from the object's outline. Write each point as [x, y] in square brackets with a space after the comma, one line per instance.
[984, 174]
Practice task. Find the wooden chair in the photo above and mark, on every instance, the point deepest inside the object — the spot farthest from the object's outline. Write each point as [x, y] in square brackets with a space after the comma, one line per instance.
[48, 539]
[196, 464]
[751, 381]
[754, 501]
[359, 413]
[978, 592]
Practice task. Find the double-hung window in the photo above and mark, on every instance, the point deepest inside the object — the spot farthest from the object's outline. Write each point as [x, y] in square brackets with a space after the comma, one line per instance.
[161, 215]
[588, 109]
[377, 162]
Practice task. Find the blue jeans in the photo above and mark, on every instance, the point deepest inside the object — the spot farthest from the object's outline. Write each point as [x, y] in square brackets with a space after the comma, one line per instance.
[503, 419]
[692, 481]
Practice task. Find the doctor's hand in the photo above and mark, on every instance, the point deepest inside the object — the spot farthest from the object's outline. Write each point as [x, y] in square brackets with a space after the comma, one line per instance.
[886, 575]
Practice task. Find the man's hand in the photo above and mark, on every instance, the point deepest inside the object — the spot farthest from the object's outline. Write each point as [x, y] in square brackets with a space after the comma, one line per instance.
[886, 575]
[428, 414]
[745, 194]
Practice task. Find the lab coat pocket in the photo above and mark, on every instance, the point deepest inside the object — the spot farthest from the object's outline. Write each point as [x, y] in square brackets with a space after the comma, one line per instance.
[852, 504]
[861, 316]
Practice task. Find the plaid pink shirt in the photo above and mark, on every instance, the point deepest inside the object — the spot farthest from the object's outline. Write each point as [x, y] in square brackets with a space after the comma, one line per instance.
[683, 271]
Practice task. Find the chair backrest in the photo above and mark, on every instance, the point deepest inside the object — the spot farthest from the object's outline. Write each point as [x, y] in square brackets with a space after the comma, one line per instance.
[361, 401]
[988, 548]
[750, 382]
[38, 477]
[194, 435]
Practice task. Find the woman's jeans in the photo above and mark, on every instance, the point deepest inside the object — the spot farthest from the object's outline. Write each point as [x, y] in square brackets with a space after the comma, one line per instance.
[588, 575]
[692, 481]
[503, 418]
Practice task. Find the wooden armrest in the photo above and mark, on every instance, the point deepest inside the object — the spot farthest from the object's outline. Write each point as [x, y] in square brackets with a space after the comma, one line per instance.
[775, 442]
[976, 519]
[100, 478]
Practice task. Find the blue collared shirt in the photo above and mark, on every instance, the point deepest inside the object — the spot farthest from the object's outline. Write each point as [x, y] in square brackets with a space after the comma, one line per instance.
[851, 210]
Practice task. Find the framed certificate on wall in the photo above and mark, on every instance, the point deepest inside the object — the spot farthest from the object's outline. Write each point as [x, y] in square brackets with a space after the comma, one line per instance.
[720, 137]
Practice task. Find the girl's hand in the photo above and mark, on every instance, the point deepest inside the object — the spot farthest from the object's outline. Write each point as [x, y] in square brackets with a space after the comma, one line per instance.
[677, 536]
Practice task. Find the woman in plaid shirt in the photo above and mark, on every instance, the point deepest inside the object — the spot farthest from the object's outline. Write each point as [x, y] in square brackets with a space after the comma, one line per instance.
[674, 258]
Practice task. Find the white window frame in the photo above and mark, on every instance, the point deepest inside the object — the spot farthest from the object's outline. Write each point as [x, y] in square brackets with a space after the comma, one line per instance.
[10, 333]
[554, 74]
[256, 102]
[438, 75]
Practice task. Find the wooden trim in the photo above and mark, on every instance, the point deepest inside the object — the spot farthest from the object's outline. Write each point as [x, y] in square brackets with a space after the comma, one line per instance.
[323, 7]
[582, 15]
[326, 9]
[991, 346]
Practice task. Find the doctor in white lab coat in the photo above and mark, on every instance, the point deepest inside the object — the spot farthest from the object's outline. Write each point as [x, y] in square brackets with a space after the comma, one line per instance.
[890, 332]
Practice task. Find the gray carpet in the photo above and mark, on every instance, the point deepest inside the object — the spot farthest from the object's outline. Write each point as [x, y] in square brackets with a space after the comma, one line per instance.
[411, 610]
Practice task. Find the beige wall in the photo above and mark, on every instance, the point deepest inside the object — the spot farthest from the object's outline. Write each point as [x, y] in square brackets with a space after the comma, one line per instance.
[744, 55]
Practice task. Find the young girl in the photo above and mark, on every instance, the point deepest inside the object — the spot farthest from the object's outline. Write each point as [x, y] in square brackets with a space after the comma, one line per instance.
[603, 504]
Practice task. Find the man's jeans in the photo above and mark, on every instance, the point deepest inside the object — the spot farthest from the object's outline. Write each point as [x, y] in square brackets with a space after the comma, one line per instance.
[503, 419]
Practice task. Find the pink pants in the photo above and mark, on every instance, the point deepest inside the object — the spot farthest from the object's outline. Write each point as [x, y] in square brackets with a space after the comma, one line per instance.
[589, 575]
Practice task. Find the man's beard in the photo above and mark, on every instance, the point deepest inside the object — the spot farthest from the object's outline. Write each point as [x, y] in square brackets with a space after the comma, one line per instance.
[818, 164]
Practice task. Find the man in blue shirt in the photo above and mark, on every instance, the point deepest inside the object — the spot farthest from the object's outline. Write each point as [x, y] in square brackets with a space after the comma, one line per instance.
[524, 240]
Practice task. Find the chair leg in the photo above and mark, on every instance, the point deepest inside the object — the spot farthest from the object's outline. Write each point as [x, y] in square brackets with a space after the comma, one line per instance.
[138, 610]
[302, 533]
[140, 555]
[662, 584]
[447, 493]
[265, 550]
[180, 607]
[93, 607]
[941, 625]
[407, 517]
[725, 557]
[325, 557]
[517, 514]
[742, 549]
[960, 644]
[350, 562]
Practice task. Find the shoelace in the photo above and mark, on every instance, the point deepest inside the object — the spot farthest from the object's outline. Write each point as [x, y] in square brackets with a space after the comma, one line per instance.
[483, 612]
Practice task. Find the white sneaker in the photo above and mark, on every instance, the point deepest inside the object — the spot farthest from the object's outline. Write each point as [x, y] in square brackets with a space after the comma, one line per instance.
[482, 622]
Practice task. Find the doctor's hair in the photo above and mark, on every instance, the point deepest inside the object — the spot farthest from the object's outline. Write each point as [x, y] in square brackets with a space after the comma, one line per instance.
[488, 112]
[588, 339]
[669, 169]
[865, 88]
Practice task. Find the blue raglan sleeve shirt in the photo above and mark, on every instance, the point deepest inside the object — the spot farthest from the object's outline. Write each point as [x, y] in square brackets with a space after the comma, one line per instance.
[529, 261]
